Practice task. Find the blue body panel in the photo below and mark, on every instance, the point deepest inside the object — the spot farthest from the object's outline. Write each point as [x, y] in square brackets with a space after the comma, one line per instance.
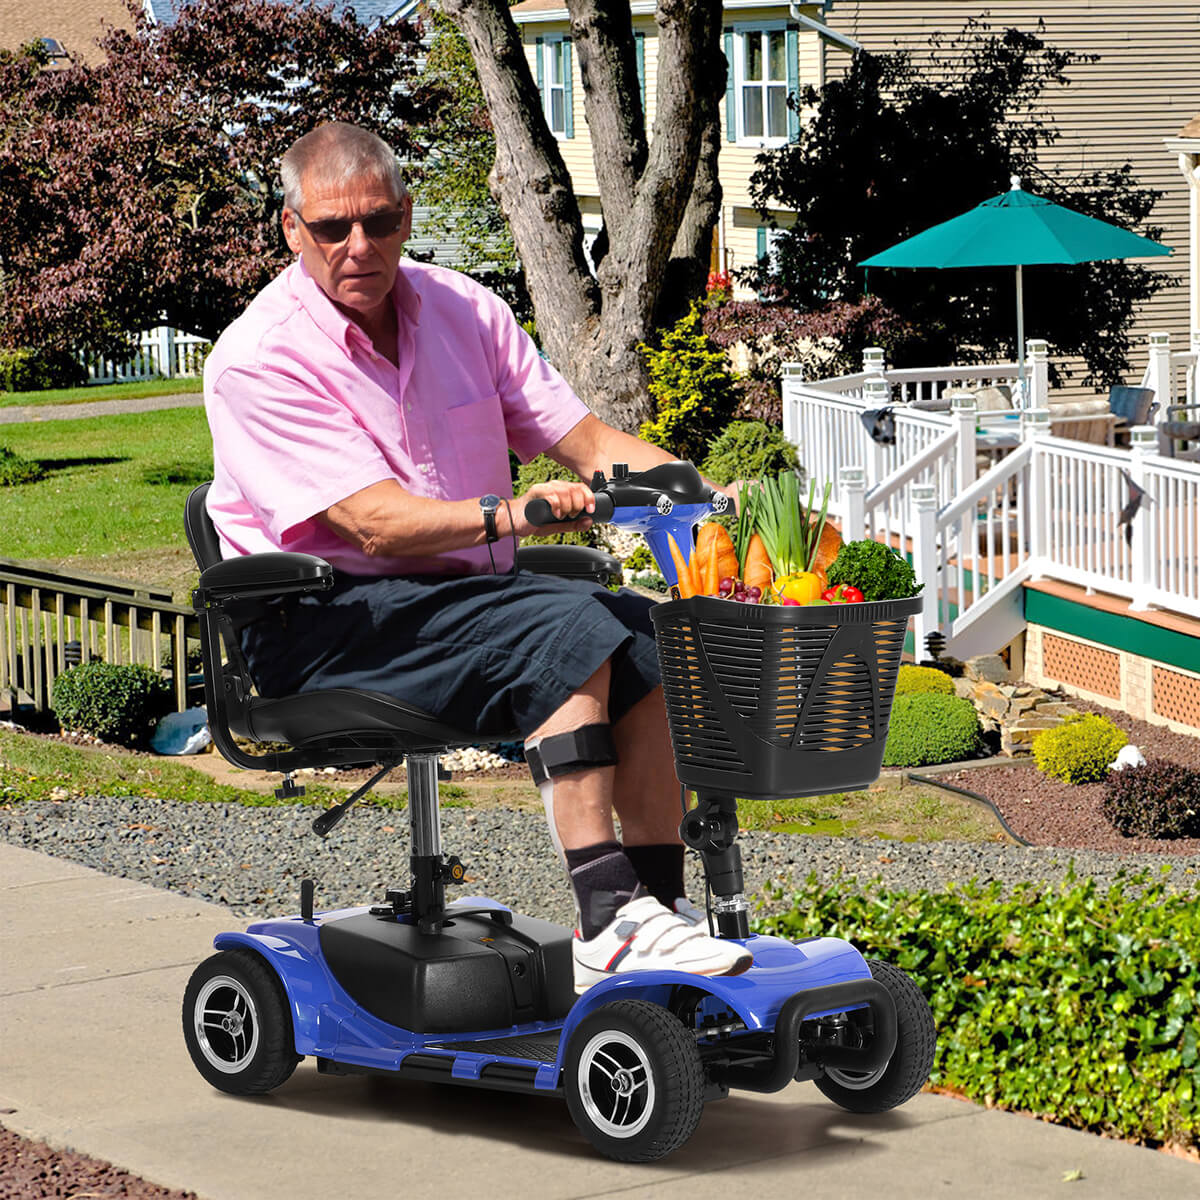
[655, 528]
[329, 1024]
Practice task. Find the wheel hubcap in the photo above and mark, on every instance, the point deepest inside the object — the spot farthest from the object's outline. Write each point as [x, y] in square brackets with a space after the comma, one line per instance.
[225, 1020]
[616, 1084]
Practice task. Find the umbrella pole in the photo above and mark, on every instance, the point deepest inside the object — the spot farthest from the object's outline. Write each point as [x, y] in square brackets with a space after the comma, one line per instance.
[1024, 403]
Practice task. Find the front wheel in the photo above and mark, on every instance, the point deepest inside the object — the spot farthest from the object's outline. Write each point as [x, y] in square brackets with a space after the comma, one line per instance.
[237, 1024]
[634, 1081]
[907, 1070]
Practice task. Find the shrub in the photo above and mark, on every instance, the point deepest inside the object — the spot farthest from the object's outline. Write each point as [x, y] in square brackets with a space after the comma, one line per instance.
[749, 450]
[931, 728]
[692, 388]
[915, 680]
[114, 702]
[28, 370]
[1070, 1001]
[1159, 799]
[16, 469]
[1079, 750]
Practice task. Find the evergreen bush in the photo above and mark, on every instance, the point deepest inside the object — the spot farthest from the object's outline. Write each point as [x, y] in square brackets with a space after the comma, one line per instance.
[1070, 1002]
[1159, 799]
[692, 388]
[915, 680]
[16, 469]
[749, 450]
[28, 370]
[1080, 749]
[928, 727]
[114, 702]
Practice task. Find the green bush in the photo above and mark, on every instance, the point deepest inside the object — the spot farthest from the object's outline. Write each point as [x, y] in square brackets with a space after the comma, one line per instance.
[16, 469]
[114, 702]
[913, 681]
[749, 450]
[28, 370]
[1072, 1002]
[930, 728]
[1079, 750]
[1159, 799]
[692, 388]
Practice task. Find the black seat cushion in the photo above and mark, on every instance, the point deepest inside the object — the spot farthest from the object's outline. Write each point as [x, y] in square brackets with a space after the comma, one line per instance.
[349, 714]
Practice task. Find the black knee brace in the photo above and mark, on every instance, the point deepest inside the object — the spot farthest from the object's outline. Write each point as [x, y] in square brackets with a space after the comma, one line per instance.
[562, 753]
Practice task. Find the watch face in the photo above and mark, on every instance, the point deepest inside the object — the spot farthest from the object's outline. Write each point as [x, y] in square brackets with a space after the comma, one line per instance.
[489, 503]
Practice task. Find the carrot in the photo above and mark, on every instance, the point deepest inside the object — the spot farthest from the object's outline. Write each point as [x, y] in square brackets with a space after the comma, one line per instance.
[712, 534]
[682, 571]
[758, 572]
[712, 568]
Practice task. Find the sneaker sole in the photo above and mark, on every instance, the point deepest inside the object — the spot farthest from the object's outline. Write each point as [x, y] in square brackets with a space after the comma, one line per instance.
[593, 975]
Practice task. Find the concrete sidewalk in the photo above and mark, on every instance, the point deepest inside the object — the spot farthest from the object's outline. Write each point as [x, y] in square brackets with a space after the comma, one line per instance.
[92, 973]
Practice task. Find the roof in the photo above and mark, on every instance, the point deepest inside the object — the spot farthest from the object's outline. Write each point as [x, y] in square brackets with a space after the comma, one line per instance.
[369, 12]
[532, 11]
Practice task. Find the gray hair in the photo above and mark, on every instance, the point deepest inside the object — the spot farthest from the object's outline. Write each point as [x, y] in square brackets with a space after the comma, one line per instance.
[337, 152]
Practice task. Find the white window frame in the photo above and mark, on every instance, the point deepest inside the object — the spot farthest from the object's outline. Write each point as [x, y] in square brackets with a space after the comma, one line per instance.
[741, 32]
[553, 53]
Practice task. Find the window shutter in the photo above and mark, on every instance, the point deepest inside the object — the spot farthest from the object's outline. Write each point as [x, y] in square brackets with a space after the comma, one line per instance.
[730, 97]
[793, 81]
[568, 99]
[639, 49]
[762, 244]
[537, 58]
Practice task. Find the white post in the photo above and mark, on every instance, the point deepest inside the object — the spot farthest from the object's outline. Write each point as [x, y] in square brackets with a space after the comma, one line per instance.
[1143, 445]
[1038, 382]
[1035, 424]
[792, 374]
[1158, 378]
[873, 361]
[877, 393]
[853, 488]
[963, 416]
[924, 502]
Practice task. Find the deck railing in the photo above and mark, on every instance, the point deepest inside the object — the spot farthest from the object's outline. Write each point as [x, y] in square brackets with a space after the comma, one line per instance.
[49, 622]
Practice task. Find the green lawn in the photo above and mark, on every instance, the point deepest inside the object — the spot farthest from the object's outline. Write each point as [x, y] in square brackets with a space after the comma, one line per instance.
[103, 391]
[112, 499]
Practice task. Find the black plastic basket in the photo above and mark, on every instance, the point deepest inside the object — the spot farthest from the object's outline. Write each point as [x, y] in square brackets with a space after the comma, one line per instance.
[768, 702]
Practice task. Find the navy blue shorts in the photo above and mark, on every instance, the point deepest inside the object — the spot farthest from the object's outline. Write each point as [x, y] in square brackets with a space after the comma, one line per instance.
[488, 654]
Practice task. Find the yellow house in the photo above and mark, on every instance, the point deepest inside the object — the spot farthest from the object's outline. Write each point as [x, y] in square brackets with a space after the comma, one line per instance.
[774, 50]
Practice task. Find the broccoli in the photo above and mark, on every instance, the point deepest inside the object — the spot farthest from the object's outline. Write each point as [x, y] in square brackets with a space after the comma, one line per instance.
[878, 572]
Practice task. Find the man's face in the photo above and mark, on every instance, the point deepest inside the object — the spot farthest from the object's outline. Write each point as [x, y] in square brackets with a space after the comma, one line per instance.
[356, 272]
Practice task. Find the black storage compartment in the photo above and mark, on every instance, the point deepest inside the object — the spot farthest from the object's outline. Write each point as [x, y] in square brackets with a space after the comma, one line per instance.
[475, 974]
[767, 702]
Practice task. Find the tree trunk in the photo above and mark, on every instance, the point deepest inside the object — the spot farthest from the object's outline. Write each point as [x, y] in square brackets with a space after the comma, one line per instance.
[591, 328]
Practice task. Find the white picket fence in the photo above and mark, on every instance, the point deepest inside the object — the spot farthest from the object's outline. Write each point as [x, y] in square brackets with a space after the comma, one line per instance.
[984, 501]
[162, 352]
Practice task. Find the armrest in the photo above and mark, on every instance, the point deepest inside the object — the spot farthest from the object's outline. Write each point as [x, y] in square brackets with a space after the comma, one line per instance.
[569, 562]
[271, 574]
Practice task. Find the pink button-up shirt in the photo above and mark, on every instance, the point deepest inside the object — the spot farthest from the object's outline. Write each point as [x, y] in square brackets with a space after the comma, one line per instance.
[304, 413]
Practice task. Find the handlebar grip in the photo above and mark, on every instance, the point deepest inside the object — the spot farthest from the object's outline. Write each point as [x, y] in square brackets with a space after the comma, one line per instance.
[539, 512]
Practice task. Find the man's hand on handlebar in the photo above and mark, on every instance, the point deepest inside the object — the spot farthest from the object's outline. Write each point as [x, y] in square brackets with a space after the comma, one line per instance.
[564, 497]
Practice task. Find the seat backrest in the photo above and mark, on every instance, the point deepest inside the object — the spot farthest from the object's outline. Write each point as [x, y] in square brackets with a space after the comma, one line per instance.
[201, 533]
[1134, 404]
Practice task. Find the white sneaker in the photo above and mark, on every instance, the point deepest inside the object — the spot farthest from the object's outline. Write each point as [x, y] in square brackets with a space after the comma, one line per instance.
[645, 936]
[690, 913]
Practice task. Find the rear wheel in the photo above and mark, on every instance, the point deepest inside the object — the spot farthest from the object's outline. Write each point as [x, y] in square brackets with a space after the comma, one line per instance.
[907, 1070]
[634, 1082]
[237, 1024]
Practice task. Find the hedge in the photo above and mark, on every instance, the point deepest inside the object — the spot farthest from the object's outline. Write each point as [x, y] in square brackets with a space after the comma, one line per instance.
[1067, 1002]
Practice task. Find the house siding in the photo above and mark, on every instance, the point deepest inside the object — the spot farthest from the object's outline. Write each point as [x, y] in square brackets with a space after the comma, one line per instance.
[1144, 88]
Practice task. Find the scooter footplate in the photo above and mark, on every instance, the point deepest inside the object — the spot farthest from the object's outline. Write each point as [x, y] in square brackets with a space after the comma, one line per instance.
[538, 1047]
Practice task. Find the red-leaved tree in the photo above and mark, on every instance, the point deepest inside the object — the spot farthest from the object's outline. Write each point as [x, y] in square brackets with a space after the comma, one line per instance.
[146, 186]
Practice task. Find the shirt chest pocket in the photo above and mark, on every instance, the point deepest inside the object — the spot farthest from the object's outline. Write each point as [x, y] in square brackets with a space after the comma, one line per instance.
[476, 431]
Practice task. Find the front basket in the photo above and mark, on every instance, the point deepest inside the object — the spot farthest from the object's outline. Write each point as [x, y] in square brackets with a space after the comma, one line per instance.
[769, 702]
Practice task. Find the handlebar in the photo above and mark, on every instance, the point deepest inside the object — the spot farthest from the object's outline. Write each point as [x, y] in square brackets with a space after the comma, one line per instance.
[539, 512]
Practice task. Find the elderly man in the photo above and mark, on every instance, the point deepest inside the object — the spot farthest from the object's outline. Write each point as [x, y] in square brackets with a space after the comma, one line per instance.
[362, 409]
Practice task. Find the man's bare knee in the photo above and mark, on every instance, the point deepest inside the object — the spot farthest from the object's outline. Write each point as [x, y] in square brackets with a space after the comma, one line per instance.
[588, 705]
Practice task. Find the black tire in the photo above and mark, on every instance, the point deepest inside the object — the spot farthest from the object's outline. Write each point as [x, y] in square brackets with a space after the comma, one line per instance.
[908, 1068]
[634, 1082]
[237, 1024]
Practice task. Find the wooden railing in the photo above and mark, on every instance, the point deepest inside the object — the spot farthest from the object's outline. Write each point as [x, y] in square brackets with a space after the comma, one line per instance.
[50, 621]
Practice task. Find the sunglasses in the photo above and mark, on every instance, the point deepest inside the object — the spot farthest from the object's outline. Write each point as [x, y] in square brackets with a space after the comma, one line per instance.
[337, 229]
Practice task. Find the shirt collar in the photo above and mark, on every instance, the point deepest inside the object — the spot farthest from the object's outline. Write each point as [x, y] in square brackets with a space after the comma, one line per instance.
[335, 324]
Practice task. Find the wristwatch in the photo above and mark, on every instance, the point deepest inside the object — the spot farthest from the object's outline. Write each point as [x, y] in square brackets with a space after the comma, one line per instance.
[488, 504]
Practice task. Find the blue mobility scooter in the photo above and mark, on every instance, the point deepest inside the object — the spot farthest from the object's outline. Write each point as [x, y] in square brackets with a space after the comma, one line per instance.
[763, 702]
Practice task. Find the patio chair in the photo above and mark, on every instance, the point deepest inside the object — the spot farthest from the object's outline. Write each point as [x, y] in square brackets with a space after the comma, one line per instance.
[1131, 406]
[1182, 431]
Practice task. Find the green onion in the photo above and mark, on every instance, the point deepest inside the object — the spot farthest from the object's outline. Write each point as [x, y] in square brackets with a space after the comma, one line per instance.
[786, 524]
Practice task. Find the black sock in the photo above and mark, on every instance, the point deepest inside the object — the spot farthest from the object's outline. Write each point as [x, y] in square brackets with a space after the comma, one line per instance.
[660, 870]
[603, 879]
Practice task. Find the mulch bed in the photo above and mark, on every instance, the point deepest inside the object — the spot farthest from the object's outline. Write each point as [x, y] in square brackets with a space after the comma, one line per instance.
[1046, 812]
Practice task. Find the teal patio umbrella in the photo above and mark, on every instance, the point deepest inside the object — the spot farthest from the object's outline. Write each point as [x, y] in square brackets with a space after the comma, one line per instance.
[1016, 229]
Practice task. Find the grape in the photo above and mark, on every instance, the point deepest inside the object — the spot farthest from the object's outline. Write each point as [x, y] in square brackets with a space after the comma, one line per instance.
[754, 593]
[726, 585]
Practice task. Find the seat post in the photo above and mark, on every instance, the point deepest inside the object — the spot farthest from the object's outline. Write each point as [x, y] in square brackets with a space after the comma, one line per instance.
[429, 893]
